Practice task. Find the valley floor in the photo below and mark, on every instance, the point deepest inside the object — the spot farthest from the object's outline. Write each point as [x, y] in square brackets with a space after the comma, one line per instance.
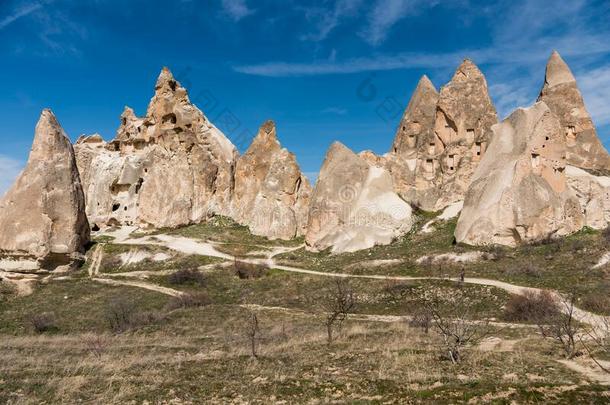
[132, 326]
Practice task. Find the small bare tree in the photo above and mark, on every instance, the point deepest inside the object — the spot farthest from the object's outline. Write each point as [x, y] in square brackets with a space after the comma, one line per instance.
[456, 326]
[596, 341]
[253, 332]
[338, 302]
[558, 323]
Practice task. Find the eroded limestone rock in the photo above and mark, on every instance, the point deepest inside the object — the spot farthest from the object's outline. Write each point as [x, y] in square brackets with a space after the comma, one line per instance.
[560, 92]
[170, 168]
[593, 193]
[441, 139]
[43, 214]
[271, 194]
[519, 192]
[354, 205]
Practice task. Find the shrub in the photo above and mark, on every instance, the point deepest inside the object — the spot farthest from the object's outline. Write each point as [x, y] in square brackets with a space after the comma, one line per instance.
[198, 299]
[245, 270]
[119, 315]
[43, 322]
[187, 276]
[596, 302]
[531, 307]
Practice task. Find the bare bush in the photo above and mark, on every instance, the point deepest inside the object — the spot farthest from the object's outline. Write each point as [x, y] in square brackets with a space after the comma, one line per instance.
[596, 341]
[531, 306]
[338, 302]
[43, 322]
[456, 326]
[187, 276]
[253, 331]
[245, 270]
[96, 344]
[421, 318]
[119, 315]
[561, 326]
[186, 300]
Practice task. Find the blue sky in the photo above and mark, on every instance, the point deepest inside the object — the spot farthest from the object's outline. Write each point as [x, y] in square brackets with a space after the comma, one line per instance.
[323, 70]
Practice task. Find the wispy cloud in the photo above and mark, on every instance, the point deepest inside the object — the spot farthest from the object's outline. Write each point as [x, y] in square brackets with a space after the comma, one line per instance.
[335, 111]
[327, 19]
[595, 85]
[236, 9]
[23, 11]
[386, 13]
[9, 170]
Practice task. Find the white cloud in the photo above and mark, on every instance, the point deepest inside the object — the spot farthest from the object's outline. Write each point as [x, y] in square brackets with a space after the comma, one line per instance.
[386, 13]
[236, 9]
[326, 19]
[23, 11]
[595, 86]
[9, 170]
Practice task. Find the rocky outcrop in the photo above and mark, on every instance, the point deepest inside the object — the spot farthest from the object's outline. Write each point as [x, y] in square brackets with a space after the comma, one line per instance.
[271, 194]
[593, 193]
[441, 139]
[170, 168]
[560, 92]
[354, 205]
[43, 214]
[519, 192]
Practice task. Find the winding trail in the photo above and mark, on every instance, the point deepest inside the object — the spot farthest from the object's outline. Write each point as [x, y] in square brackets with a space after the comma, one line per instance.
[140, 284]
[190, 246]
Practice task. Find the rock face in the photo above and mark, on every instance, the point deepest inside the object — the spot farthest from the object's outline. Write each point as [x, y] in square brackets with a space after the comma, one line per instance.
[441, 139]
[172, 167]
[519, 192]
[560, 92]
[593, 192]
[43, 214]
[354, 205]
[271, 194]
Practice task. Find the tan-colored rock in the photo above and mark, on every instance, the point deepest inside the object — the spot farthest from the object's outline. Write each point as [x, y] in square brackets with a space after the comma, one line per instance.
[441, 139]
[519, 191]
[593, 193]
[170, 168]
[43, 213]
[560, 92]
[271, 194]
[354, 205]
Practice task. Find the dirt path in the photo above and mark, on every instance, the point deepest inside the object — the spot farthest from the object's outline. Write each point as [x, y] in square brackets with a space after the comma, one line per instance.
[96, 260]
[140, 284]
[191, 246]
[589, 370]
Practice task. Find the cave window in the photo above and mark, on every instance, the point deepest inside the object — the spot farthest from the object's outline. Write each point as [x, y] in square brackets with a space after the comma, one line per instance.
[546, 138]
[115, 206]
[139, 185]
[535, 160]
[479, 148]
[95, 228]
[145, 170]
[172, 85]
[171, 118]
[404, 128]
[451, 162]
[125, 208]
[124, 120]
[429, 165]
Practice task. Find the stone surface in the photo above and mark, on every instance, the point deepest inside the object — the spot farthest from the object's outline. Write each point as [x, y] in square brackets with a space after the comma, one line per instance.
[560, 92]
[170, 168]
[354, 205]
[43, 213]
[441, 139]
[519, 192]
[271, 194]
[593, 193]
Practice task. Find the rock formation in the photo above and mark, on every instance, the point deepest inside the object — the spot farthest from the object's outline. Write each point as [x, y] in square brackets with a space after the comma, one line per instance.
[593, 193]
[560, 92]
[172, 167]
[441, 139]
[42, 216]
[354, 205]
[519, 192]
[271, 194]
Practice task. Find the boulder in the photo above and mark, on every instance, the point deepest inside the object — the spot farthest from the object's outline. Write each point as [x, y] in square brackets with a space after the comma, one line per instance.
[172, 167]
[354, 205]
[519, 192]
[441, 139]
[42, 215]
[271, 194]
[561, 94]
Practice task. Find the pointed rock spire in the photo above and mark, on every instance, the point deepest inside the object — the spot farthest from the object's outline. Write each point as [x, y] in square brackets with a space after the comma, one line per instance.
[561, 94]
[271, 195]
[467, 71]
[43, 213]
[557, 71]
[418, 119]
[166, 78]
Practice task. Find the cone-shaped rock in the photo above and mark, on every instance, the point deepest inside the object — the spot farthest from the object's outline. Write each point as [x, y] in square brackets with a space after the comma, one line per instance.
[354, 205]
[560, 92]
[43, 213]
[172, 167]
[519, 191]
[441, 139]
[271, 194]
